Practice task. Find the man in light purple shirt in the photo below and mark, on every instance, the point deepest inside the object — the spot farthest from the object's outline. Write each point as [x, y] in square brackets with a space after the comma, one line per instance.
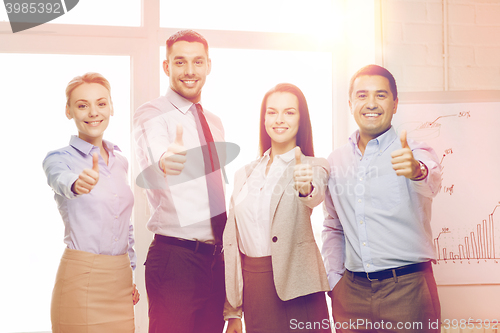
[184, 267]
[379, 198]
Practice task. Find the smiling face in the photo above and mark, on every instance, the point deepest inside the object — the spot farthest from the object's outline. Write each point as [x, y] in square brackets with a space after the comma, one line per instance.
[372, 105]
[282, 121]
[90, 107]
[187, 66]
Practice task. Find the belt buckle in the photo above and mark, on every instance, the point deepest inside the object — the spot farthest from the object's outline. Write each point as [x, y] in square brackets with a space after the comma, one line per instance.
[368, 277]
[216, 246]
[196, 246]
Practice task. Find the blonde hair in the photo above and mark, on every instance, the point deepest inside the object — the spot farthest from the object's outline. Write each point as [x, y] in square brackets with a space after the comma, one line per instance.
[89, 77]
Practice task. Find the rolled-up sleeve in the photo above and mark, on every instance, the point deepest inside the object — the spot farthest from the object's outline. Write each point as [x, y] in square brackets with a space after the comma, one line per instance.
[428, 187]
[333, 249]
[131, 242]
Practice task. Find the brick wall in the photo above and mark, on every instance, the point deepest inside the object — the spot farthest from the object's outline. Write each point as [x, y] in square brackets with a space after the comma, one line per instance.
[414, 39]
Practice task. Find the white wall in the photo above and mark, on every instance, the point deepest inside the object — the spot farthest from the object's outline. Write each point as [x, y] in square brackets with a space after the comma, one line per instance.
[435, 45]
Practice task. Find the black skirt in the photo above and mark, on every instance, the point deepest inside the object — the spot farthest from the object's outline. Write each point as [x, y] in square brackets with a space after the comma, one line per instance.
[265, 312]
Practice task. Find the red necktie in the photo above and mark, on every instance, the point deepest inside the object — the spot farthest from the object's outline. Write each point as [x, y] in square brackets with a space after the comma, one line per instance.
[213, 175]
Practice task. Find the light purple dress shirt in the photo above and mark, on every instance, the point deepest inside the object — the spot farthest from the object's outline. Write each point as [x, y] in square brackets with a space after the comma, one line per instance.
[97, 222]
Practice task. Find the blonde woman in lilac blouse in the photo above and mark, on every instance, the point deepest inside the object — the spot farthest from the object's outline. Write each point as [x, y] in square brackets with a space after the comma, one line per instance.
[94, 290]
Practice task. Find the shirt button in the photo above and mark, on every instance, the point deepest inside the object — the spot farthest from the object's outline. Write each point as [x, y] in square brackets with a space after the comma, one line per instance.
[359, 200]
[116, 216]
[367, 265]
[361, 179]
[275, 239]
[364, 244]
[361, 222]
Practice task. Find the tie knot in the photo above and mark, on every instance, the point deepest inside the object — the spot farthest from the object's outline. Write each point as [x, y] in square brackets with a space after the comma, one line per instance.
[198, 107]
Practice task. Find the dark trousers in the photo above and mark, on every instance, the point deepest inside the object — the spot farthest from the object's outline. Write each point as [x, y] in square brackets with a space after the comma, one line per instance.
[186, 290]
[265, 312]
[407, 303]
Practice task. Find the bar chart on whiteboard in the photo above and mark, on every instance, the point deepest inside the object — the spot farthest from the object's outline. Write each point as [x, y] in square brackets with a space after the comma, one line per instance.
[466, 211]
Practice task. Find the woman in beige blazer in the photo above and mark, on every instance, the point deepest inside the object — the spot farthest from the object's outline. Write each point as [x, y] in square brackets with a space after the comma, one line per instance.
[274, 270]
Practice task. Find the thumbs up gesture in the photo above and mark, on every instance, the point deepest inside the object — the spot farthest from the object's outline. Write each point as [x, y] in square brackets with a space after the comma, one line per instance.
[403, 161]
[88, 178]
[302, 175]
[172, 161]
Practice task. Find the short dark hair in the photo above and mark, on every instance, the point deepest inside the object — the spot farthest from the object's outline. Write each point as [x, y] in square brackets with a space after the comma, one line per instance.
[188, 36]
[375, 70]
[304, 137]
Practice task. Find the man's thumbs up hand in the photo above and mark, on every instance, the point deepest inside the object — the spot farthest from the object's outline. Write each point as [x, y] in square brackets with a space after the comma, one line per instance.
[404, 141]
[403, 161]
[178, 135]
[172, 161]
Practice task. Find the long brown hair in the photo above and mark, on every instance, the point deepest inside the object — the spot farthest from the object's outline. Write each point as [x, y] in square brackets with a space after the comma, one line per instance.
[304, 137]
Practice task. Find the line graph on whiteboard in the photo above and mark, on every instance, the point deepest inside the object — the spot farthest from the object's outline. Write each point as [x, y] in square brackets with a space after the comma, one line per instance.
[466, 211]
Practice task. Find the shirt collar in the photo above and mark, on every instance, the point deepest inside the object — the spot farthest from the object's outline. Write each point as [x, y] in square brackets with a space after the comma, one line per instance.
[353, 139]
[384, 140]
[179, 102]
[85, 147]
[286, 157]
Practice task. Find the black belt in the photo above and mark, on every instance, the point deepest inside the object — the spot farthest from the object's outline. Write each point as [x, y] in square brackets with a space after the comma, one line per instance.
[195, 246]
[393, 272]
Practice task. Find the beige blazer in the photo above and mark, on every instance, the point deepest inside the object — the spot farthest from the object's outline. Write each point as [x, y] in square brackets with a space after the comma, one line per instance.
[297, 263]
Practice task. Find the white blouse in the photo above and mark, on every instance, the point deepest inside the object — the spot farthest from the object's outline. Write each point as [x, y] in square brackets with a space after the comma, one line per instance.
[252, 205]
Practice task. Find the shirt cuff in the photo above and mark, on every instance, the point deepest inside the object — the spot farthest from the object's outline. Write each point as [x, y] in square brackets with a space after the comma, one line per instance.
[231, 316]
[333, 279]
[68, 179]
[230, 312]
[430, 185]
[310, 195]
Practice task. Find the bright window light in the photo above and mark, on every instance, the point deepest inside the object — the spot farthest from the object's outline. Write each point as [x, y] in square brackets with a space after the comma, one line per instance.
[297, 16]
